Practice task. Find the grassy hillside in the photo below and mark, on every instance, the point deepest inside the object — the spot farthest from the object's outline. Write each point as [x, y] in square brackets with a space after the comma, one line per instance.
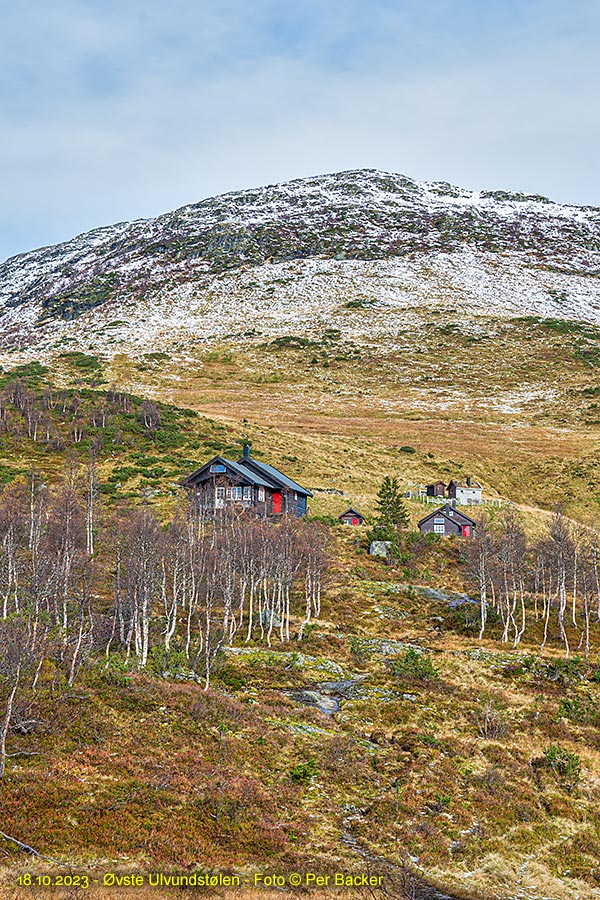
[481, 763]
[142, 450]
[512, 403]
[478, 764]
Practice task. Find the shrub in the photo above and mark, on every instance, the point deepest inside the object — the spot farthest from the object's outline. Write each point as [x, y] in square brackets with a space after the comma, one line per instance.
[580, 711]
[7, 475]
[414, 664]
[165, 439]
[492, 723]
[381, 532]
[565, 671]
[325, 519]
[82, 361]
[358, 304]
[359, 650]
[169, 663]
[304, 771]
[566, 765]
[231, 678]
[29, 370]
[292, 340]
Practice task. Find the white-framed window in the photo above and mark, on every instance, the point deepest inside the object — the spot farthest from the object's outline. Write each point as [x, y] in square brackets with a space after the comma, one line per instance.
[234, 493]
[438, 528]
[261, 495]
[219, 497]
[247, 493]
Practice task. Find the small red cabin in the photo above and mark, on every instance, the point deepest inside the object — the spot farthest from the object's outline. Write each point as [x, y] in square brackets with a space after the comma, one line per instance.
[351, 517]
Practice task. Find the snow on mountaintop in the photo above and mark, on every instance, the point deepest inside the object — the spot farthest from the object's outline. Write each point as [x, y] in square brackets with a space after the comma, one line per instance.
[307, 253]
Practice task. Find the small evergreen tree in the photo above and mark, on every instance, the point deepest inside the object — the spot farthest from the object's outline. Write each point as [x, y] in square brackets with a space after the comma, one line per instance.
[390, 504]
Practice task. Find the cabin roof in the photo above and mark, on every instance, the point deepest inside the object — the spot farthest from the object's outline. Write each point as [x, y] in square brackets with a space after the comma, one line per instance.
[445, 511]
[351, 511]
[248, 464]
[463, 484]
[245, 474]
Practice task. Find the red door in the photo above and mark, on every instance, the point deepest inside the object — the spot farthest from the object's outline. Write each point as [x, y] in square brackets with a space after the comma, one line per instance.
[466, 531]
[277, 502]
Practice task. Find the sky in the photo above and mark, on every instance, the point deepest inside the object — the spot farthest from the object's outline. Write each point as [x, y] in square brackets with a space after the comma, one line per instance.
[120, 109]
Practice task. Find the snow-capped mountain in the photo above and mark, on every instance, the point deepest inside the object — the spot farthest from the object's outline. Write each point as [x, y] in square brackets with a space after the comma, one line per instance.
[366, 251]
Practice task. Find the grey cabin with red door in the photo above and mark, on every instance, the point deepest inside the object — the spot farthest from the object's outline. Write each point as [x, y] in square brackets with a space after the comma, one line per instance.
[447, 520]
[351, 517]
[248, 483]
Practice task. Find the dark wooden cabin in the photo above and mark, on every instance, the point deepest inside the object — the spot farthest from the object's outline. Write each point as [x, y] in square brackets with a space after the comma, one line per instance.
[437, 489]
[351, 517]
[447, 520]
[249, 484]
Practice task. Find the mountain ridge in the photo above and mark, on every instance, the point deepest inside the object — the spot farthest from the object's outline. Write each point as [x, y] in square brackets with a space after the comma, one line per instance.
[358, 224]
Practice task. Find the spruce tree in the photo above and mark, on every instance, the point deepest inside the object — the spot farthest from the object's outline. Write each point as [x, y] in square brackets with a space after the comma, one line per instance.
[390, 504]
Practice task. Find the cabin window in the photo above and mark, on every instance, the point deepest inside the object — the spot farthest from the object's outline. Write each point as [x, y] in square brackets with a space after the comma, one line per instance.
[218, 467]
[219, 497]
[234, 493]
[247, 493]
[261, 495]
[438, 528]
[295, 495]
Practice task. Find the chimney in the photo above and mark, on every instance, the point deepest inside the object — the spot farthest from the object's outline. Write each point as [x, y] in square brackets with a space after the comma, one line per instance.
[246, 451]
[468, 481]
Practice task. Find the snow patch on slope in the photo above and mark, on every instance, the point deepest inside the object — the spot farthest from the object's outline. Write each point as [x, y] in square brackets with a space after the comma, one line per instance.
[371, 301]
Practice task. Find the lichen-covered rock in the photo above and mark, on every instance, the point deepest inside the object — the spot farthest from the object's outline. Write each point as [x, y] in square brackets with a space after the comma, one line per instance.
[380, 548]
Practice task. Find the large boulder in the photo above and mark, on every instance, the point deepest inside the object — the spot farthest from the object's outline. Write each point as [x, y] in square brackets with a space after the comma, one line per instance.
[380, 548]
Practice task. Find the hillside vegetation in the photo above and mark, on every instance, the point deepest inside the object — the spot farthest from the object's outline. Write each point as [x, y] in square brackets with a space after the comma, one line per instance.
[449, 760]
[347, 327]
[476, 764]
